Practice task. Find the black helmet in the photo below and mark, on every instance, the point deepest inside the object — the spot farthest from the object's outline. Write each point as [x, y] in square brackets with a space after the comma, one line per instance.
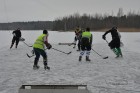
[114, 27]
[45, 31]
[87, 29]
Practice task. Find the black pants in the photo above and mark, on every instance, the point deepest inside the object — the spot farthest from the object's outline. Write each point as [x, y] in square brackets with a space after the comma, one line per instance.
[39, 52]
[115, 43]
[79, 45]
[77, 38]
[85, 44]
[15, 39]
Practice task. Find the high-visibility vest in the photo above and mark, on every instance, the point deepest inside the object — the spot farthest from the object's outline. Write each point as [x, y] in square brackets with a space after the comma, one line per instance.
[86, 35]
[39, 43]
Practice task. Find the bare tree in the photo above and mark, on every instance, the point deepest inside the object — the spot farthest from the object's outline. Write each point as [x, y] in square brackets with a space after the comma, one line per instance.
[120, 12]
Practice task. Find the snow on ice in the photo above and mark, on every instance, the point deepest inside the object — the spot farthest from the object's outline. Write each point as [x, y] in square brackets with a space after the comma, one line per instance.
[110, 75]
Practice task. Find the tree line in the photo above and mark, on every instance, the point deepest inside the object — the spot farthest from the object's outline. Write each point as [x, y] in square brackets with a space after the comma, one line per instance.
[31, 25]
[98, 21]
[68, 23]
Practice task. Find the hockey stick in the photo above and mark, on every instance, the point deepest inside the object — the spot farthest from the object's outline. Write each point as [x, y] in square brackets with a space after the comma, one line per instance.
[61, 51]
[27, 44]
[29, 55]
[51, 48]
[106, 41]
[108, 45]
[100, 55]
[69, 44]
[74, 46]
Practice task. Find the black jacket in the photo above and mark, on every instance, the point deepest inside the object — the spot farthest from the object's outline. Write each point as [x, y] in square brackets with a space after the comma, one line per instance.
[113, 32]
[17, 33]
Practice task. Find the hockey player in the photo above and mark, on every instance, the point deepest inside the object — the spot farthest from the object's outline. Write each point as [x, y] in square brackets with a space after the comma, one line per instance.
[77, 38]
[115, 43]
[86, 42]
[16, 38]
[39, 49]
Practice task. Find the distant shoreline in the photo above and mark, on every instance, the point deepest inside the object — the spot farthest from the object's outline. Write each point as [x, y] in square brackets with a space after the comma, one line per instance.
[100, 30]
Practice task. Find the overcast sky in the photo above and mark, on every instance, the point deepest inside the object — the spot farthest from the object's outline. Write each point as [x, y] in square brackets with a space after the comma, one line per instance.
[48, 10]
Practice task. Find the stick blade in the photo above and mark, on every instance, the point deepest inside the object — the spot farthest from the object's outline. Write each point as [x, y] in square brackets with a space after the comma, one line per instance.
[105, 57]
[28, 55]
[69, 53]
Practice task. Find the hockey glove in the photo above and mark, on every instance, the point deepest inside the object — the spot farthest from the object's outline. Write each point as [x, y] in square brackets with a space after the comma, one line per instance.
[104, 37]
[49, 46]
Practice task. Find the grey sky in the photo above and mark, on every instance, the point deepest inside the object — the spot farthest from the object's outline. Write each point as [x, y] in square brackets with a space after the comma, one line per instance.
[42, 10]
